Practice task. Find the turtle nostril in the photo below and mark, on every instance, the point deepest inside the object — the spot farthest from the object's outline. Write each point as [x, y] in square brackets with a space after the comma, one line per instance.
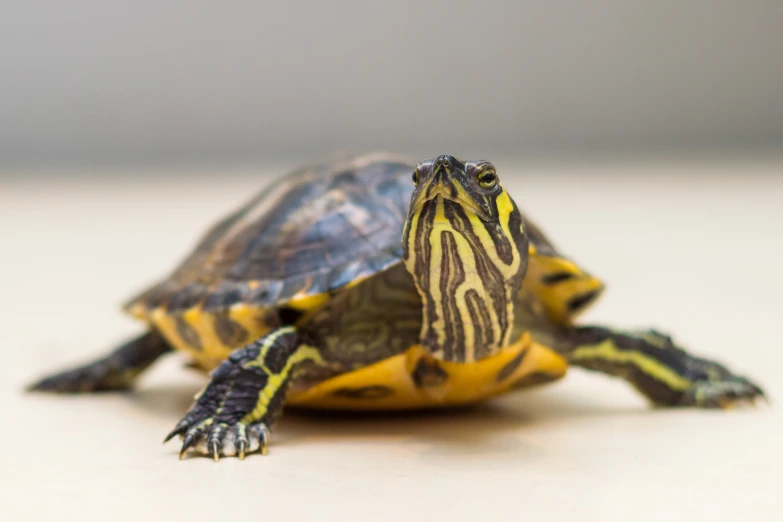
[443, 161]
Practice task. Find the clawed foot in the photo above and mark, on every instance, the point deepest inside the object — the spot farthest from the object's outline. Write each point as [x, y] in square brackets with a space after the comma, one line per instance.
[245, 396]
[216, 439]
[231, 416]
[723, 391]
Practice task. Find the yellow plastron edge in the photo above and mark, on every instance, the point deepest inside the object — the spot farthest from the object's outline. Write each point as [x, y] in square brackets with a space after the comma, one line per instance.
[389, 384]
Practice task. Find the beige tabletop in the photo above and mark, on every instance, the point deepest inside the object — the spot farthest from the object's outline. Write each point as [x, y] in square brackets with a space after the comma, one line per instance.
[693, 248]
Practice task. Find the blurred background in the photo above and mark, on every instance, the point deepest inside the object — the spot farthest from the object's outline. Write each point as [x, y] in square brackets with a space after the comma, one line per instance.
[128, 127]
[90, 83]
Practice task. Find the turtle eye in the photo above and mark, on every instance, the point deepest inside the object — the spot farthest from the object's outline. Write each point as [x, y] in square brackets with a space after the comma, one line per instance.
[416, 178]
[488, 179]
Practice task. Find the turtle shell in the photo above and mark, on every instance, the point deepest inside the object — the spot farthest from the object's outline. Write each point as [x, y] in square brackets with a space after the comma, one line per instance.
[319, 229]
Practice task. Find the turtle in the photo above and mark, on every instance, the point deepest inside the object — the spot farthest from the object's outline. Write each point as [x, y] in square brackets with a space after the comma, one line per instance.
[374, 282]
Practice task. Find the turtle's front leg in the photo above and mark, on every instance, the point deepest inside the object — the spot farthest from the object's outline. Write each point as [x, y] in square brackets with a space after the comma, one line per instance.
[665, 373]
[245, 397]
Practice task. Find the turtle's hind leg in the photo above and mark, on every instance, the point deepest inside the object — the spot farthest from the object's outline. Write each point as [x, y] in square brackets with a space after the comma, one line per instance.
[662, 371]
[116, 371]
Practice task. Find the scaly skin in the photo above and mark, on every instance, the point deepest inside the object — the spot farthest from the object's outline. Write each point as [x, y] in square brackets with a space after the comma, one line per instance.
[245, 396]
[116, 371]
[665, 373]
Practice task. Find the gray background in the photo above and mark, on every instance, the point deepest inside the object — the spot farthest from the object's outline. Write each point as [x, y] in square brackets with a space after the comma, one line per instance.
[89, 81]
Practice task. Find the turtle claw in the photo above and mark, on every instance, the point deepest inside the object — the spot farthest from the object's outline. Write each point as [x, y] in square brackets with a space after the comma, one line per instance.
[179, 429]
[188, 441]
[241, 451]
[223, 440]
[241, 441]
[727, 392]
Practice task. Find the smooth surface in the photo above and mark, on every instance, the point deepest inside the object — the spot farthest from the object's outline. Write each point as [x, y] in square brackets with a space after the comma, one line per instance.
[194, 81]
[692, 248]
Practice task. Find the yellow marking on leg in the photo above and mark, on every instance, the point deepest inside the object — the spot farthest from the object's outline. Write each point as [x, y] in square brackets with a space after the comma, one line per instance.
[276, 380]
[269, 341]
[608, 351]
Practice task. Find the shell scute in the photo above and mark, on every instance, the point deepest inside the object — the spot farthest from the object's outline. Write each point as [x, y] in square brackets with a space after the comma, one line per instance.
[316, 231]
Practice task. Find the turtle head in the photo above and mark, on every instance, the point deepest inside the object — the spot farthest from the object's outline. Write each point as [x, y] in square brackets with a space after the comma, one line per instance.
[465, 246]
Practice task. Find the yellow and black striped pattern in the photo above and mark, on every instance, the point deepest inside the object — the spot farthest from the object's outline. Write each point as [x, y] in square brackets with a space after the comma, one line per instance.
[465, 247]
[563, 287]
[209, 337]
[278, 368]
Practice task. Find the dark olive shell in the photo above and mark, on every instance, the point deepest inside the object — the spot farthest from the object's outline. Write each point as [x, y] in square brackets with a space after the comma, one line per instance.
[311, 232]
